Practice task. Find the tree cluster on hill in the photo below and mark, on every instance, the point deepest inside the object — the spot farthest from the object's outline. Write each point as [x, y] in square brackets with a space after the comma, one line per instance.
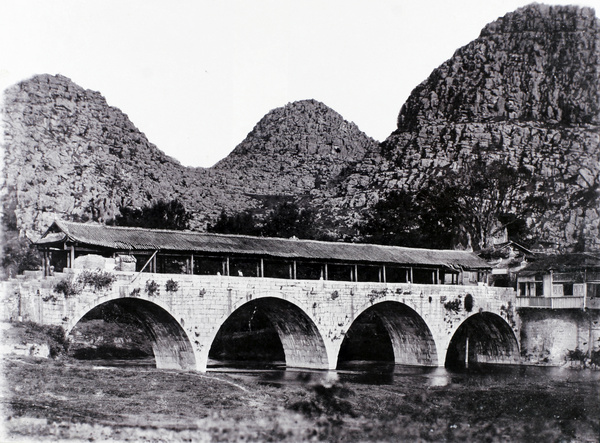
[453, 210]
[159, 215]
[286, 220]
[18, 252]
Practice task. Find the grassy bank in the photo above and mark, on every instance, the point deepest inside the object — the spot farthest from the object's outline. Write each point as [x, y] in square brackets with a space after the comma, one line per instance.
[62, 400]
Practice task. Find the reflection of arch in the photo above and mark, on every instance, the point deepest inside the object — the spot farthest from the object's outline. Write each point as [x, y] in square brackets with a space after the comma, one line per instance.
[171, 346]
[302, 343]
[411, 339]
[488, 337]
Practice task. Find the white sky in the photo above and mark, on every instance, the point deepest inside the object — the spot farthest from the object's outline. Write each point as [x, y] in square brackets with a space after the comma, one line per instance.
[196, 75]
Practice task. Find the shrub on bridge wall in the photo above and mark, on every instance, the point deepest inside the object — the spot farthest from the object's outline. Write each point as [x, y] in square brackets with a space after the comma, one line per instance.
[152, 288]
[68, 287]
[453, 305]
[97, 280]
[171, 285]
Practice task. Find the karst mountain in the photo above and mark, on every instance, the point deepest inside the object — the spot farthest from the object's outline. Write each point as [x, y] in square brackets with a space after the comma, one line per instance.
[525, 95]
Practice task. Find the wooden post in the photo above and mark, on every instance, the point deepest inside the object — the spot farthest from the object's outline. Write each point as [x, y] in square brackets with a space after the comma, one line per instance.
[356, 273]
[467, 352]
[192, 264]
[295, 270]
[227, 266]
[383, 274]
[262, 267]
[326, 272]
[411, 274]
[72, 256]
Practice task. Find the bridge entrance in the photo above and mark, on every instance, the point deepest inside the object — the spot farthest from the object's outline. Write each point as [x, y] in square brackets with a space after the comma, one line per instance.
[270, 329]
[482, 338]
[389, 331]
[170, 344]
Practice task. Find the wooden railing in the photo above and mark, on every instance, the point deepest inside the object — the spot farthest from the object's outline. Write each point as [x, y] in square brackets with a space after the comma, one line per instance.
[550, 302]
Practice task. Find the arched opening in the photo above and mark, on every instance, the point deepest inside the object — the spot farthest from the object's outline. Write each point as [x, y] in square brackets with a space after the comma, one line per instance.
[482, 338]
[389, 332]
[129, 328]
[269, 331]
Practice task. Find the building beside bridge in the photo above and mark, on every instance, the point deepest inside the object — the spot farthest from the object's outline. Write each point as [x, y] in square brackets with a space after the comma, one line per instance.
[565, 281]
[195, 253]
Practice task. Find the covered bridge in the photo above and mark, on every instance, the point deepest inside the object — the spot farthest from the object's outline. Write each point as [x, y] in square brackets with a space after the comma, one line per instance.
[185, 252]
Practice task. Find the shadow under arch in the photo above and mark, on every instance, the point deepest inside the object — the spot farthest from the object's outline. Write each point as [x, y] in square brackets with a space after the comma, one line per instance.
[394, 331]
[170, 344]
[482, 338]
[293, 336]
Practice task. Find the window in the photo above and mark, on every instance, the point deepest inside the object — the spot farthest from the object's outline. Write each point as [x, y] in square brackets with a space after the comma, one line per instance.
[277, 269]
[339, 272]
[522, 289]
[568, 289]
[369, 273]
[208, 265]
[240, 267]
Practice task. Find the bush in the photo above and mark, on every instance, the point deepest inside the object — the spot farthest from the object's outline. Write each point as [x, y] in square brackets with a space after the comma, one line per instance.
[96, 279]
[67, 287]
[20, 255]
[152, 288]
[453, 305]
[172, 285]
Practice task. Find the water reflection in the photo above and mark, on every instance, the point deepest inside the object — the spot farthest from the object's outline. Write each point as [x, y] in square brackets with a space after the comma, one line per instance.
[378, 373]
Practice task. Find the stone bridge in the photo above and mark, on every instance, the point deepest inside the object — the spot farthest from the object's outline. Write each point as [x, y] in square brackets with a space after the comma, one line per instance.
[429, 325]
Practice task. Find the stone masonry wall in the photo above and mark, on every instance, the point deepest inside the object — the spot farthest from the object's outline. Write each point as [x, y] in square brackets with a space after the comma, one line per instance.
[202, 303]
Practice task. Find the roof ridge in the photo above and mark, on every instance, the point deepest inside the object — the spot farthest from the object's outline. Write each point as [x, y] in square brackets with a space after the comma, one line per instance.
[60, 222]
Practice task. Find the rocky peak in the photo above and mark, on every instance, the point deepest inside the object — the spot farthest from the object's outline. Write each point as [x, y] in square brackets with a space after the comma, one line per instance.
[526, 93]
[297, 148]
[539, 63]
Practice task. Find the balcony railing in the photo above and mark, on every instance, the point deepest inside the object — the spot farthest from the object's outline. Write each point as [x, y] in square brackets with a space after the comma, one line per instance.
[565, 302]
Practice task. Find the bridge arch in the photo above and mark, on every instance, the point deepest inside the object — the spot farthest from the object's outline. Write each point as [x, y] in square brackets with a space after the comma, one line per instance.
[484, 337]
[301, 341]
[170, 343]
[394, 328]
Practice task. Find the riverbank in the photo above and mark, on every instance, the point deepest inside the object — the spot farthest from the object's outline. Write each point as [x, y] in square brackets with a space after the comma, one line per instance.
[58, 400]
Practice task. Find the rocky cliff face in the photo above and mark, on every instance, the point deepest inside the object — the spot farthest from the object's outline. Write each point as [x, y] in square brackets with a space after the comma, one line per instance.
[68, 154]
[525, 93]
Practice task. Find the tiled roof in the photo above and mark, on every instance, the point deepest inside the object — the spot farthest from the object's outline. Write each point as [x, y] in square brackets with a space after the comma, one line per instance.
[562, 263]
[138, 239]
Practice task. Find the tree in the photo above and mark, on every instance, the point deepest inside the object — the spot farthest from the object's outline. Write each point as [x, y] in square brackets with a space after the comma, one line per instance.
[160, 215]
[468, 208]
[286, 220]
[289, 220]
[422, 220]
[243, 223]
[19, 254]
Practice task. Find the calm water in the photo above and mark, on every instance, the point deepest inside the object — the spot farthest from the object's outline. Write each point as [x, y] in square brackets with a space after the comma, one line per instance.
[379, 373]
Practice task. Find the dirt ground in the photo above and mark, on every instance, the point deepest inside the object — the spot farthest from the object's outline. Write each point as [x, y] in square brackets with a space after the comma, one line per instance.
[58, 400]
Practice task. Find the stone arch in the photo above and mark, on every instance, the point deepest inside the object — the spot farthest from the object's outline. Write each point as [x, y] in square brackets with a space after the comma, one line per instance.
[410, 338]
[170, 343]
[489, 339]
[302, 342]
